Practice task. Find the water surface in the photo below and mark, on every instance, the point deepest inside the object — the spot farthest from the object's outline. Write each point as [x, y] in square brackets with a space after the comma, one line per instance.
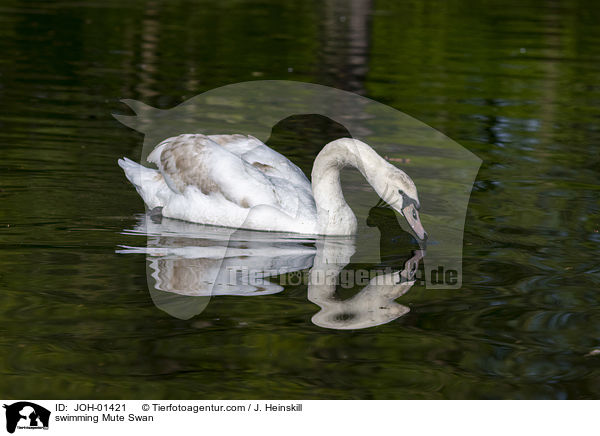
[516, 83]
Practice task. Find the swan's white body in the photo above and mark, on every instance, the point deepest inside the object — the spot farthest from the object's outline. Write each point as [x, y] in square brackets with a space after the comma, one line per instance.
[237, 181]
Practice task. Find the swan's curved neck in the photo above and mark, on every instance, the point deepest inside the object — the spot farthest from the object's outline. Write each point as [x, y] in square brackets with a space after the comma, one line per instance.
[334, 215]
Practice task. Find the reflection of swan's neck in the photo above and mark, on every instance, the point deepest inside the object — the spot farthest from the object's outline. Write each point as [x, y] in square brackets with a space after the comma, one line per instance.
[373, 305]
[334, 214]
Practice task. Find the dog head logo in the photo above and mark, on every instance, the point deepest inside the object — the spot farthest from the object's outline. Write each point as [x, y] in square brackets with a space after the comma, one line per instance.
[26, 415]
[443, 170]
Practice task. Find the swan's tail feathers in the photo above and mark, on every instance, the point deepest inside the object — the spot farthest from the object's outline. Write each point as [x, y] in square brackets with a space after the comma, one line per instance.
[147, 182]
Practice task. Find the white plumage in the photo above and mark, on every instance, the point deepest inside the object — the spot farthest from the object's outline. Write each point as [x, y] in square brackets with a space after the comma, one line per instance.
[237, 181]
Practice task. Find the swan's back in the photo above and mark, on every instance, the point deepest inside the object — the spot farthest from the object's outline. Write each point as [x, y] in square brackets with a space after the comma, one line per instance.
[195, 161]
[264, 158]
[220, 179]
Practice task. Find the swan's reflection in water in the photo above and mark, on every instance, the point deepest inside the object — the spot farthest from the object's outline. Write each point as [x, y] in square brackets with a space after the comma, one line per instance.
[374, 305]
[189, 263]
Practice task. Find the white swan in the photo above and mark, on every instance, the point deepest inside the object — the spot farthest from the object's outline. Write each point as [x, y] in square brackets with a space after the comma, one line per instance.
[237, 181]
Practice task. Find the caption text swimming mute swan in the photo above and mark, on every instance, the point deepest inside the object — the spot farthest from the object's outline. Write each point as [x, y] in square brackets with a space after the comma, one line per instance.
[238, 181]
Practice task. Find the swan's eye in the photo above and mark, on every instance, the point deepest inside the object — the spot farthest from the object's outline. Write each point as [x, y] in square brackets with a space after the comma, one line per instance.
[414, 214]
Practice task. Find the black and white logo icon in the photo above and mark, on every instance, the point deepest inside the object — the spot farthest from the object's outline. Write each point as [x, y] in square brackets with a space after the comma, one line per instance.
[26, 415]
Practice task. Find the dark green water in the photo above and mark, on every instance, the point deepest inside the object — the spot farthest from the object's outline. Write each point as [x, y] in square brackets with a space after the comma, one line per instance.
[517, 83]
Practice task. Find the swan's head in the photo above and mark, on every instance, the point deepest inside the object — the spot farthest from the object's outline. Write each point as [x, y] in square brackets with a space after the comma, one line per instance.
[400, 192]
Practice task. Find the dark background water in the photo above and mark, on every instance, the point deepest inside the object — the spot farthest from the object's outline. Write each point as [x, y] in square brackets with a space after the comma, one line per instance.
[517, 83]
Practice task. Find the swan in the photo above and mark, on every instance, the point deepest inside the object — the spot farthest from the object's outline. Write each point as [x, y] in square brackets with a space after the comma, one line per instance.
[238, 181]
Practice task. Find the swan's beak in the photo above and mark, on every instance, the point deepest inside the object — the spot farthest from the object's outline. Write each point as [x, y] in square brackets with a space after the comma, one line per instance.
[411, 214]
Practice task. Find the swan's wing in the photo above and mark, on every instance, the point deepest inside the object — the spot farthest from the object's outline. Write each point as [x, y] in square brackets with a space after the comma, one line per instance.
[195, 161]
[241, 170]
[264, 158]
[292, 187]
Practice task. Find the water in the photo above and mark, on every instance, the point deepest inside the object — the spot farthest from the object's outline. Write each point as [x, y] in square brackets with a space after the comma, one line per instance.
[515, 83]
